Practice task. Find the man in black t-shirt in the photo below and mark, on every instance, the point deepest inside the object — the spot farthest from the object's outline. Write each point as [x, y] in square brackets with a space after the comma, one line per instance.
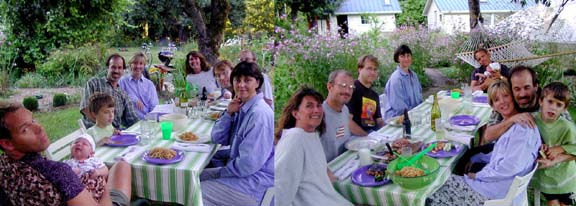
[364, 105]
[480, 79]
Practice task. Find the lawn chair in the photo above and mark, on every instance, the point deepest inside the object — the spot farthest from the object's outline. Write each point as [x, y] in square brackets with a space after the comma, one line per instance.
[517, 192]
[268, 198]
[60, 149]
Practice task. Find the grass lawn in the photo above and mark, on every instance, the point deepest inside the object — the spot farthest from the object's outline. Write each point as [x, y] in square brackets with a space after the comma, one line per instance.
[59, 123]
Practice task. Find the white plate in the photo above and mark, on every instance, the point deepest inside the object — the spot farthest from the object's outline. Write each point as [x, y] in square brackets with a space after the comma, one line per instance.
[393, 122]
[362, 142]
[202, 138]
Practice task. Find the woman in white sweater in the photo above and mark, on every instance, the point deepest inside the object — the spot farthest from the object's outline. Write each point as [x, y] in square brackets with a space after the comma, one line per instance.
[300, 164]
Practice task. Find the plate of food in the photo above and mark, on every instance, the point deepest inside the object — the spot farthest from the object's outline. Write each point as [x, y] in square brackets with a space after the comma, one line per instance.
[480, 99]
[190, 137]
[395, 121]
[444, 149]
[370, 175]
[213, 115]
[362, 142]
[464, 120]
[217, 108]
[123, 140]
[162, 156]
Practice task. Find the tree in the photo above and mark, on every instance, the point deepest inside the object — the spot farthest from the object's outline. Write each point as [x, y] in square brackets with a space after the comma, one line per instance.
[311, 9]
[475, 16]
[209, 26]
[259, 18]
[411, 12]
[36, 27]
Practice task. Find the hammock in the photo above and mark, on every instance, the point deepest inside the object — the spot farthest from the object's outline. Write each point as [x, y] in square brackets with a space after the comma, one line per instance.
[510, 54]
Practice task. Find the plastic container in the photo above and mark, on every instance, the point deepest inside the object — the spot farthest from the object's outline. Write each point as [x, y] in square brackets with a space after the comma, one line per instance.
[413, 183]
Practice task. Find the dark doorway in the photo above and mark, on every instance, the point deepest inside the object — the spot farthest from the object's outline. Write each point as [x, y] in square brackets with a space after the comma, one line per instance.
[342, 21]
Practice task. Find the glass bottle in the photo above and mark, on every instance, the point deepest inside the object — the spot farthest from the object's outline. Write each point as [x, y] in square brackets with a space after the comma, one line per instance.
[435, 113]
[407, 125]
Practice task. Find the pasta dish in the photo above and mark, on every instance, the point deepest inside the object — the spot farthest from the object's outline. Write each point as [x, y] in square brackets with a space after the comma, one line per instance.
[188, 136]
[410, 172]
[162, 153]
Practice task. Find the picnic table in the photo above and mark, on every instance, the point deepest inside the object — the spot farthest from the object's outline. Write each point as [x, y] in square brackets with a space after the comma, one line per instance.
[392, 194]
[176, 183]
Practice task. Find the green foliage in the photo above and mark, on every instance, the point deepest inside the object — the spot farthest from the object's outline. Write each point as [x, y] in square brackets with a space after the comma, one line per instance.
[31, 103]
[411, 13]
[6, 64]
[259, 17]
[59, 100]
[548, 72]
[36, 27]
[65, 118]
[460, 71]
[73, 66]
[74, 98]
[31, 80]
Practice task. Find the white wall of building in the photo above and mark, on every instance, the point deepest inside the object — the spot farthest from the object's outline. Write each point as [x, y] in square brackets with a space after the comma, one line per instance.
[386, 22]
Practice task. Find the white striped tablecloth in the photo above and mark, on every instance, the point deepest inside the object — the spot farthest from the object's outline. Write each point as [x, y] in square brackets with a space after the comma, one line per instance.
[177, 183]
[392, 194]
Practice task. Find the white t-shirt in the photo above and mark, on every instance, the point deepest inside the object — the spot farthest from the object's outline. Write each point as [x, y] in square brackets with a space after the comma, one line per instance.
[203, 79]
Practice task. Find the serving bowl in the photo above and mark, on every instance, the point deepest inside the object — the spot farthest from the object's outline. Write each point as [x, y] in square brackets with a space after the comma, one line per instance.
[430, 166]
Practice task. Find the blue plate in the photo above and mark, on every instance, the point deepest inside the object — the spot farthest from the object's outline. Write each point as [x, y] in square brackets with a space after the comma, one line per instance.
[360, 177]
[123, 140]
[464, 120]
[179, 156]
[480, 99]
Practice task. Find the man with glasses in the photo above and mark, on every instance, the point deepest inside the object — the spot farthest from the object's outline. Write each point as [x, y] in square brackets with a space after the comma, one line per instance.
[365, 103]
[481, 81]
[124, 113]
[336, 114]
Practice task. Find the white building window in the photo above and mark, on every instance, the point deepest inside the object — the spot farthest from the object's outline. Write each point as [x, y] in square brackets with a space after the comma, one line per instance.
[364, 19]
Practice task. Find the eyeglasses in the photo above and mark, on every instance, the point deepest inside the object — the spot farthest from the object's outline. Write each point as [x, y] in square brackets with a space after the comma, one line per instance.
[345, 86]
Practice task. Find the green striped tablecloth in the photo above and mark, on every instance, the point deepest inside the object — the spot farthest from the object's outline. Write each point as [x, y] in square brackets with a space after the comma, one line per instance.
[178, 183]
[392, 194]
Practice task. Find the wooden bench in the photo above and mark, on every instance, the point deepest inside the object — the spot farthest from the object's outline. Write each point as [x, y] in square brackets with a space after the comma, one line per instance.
[60, 149]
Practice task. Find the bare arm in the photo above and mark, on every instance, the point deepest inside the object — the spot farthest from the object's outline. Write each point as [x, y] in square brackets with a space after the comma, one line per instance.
[102, 171]
[380, 122]
[545, 163]
[84, 198]
[355, 129]
[494, 131]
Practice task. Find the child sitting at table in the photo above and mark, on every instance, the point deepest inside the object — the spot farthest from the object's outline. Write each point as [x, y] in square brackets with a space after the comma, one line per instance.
[91, 170]
[101, 107]
[556, 178]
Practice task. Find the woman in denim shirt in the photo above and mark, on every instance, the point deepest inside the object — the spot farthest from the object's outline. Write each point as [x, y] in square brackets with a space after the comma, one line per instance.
[248, 127]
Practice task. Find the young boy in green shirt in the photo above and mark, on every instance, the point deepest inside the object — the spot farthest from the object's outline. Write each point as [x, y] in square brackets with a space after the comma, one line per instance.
[556, 177]
[101, 107]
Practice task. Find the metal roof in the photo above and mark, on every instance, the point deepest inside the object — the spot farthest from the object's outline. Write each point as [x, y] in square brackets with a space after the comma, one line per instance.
[486, 6]
[369, 7]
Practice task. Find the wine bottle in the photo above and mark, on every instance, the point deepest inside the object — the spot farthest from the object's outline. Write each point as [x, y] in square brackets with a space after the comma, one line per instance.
[435, 113]
[407, 125]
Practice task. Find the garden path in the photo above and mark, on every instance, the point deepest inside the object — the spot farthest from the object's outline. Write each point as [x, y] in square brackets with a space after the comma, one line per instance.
[45, 103]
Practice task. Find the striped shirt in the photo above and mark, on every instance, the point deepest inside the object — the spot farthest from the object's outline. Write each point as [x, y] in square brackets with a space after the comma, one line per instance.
[124, 113]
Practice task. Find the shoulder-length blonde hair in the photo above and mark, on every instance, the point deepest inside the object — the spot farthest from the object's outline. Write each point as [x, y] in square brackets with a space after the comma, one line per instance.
[499, 87]
[287, 120]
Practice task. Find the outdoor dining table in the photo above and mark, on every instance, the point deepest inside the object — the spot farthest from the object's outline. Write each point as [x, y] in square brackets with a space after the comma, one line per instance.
[392, 194]
[176, 183]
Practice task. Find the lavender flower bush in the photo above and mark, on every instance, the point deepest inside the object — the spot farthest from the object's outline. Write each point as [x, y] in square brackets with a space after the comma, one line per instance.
[308, 57]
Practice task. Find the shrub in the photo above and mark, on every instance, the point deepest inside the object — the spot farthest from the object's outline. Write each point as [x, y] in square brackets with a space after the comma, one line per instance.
[31, 103]
[31, 80]
[59, 100]
[74, 98]
[73, 67]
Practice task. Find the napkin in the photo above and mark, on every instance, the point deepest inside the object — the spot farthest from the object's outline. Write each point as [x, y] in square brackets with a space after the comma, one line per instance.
[130, 153]
[192, 147]
[459, 137]
[380, 136]
[346, 170]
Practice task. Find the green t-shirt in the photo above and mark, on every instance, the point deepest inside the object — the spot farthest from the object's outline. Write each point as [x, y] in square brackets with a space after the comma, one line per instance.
[100, 133]
[560, 178]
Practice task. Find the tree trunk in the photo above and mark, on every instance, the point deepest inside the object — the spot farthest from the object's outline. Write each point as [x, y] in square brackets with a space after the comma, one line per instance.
[475, 16]
[210, 33]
